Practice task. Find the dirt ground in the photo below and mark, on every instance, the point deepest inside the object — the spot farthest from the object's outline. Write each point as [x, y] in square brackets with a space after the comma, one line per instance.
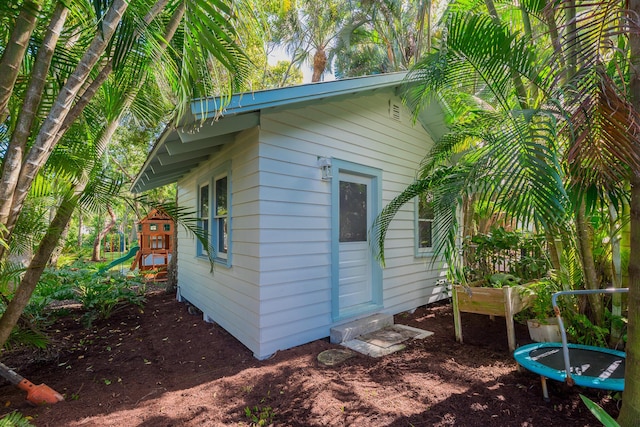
[163, 366]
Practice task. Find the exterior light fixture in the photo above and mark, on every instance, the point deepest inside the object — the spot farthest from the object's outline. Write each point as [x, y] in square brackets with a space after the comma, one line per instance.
[324, 163]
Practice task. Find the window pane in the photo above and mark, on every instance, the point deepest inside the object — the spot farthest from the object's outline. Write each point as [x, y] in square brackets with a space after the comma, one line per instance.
[204, 201]
[221, 196]
[205, 227]
[425, 235]
[353, 212]
[222, 235]
[425, 208]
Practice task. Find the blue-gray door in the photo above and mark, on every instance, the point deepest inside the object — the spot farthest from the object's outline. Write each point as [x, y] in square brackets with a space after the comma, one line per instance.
[358, 278]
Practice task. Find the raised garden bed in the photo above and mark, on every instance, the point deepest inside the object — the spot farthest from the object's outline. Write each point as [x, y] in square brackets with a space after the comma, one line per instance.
[505, 302]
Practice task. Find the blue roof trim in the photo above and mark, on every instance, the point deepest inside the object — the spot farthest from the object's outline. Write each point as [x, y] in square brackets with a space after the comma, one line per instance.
[206, 108]
[188, 138]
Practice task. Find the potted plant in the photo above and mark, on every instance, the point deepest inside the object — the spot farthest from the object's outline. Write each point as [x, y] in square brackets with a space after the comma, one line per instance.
[543, 324]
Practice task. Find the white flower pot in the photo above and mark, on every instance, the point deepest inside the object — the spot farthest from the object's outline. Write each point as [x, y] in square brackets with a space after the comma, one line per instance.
[544, 331]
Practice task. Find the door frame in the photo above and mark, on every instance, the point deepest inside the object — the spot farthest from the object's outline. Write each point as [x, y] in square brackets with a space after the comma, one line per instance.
[375, 206]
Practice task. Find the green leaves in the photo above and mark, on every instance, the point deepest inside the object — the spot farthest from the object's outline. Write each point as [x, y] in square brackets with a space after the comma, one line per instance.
[599, 413]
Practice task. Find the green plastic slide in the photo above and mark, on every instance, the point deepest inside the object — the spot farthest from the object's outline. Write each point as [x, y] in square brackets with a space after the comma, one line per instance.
[132, 252]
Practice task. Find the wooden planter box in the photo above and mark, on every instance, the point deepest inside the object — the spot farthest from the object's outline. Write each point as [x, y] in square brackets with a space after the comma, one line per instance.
[505, 302]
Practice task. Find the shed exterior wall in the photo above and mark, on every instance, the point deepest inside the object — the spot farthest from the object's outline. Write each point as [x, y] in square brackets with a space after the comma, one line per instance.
[277, 293]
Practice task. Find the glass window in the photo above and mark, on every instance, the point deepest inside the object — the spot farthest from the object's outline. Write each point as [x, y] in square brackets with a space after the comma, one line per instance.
[353, 212]
[203, 215]
[167, 227]
[424, 232]
[221, 216]
[214, 213]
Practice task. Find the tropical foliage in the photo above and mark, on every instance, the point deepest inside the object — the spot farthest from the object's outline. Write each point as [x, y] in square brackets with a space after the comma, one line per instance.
[543, 134]
[74, 69]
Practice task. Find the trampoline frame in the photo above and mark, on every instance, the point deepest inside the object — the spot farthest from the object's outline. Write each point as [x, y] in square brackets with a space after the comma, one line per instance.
[522, 354]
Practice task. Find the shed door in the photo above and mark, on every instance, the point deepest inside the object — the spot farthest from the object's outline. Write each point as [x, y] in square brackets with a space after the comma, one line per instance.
[355, 281]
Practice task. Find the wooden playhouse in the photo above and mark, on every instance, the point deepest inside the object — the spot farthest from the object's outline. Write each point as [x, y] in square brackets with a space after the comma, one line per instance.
[155, 237]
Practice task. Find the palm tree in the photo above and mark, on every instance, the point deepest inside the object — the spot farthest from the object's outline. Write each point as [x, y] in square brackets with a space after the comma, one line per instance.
[545, 133]
[123, 45]
[385, 36]
[309, 30]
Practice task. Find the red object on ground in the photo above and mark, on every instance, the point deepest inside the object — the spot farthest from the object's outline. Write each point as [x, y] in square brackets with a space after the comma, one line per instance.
[36, 394]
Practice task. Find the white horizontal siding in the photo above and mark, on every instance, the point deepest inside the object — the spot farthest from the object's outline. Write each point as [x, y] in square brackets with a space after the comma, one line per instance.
[277, 293]
[295, 208]
[227, 296]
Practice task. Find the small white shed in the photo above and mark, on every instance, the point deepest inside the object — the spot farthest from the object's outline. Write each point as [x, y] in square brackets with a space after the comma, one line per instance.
[287, 182]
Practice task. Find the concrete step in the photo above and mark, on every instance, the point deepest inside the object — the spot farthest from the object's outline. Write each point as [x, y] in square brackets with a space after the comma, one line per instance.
[351, 330]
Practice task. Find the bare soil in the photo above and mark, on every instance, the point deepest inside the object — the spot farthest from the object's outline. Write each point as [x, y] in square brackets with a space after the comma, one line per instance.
[163, 366]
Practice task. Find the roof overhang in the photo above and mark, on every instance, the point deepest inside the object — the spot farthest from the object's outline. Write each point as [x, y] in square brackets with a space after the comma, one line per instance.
[213, 123]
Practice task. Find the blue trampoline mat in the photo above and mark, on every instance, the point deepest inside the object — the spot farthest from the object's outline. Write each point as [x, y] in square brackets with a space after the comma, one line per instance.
[593, 367]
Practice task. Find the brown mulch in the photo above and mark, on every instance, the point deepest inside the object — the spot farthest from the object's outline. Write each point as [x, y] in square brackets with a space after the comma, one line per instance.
[163, 366]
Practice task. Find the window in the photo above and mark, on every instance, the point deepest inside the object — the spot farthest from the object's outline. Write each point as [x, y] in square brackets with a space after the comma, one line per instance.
[424, 225]
[214, 214]
[353, 212]
[203, 216]
[220, 218]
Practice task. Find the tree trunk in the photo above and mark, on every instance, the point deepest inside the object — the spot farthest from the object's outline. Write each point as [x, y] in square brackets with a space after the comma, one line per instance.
[31, 276]
[44, 142]
[319, 64]
[630, 411]
[80, 228]
[55, 255]
[616, 275]
[585, 245]
[172, 268]
[109, 224]
[14, 52]
[13, 158]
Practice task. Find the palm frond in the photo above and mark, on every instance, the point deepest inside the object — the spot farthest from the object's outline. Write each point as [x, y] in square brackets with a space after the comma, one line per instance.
[445, 185]
[601, 128]
[476, 56]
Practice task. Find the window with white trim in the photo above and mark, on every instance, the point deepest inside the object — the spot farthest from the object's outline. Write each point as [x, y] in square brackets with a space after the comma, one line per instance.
[424, 225]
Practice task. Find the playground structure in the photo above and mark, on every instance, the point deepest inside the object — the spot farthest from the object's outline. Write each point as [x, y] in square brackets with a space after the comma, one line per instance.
[155, 239]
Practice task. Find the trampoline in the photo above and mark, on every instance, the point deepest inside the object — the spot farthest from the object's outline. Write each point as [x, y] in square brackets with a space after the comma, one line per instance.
[587, 366]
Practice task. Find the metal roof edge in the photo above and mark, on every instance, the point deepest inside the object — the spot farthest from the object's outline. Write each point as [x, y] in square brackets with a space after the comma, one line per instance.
[206, 108]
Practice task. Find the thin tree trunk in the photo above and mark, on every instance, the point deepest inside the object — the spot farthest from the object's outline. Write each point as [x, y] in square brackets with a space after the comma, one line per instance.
[172, 267]
[468, 215]
[13, 159]
[616, 276]
[31, 276]
[555, 251]
[27, 285]
[585, 244]
[630, 411]
[55, 255]
[80, 225]
[14, 52]
[109, 224]
[44, 142]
